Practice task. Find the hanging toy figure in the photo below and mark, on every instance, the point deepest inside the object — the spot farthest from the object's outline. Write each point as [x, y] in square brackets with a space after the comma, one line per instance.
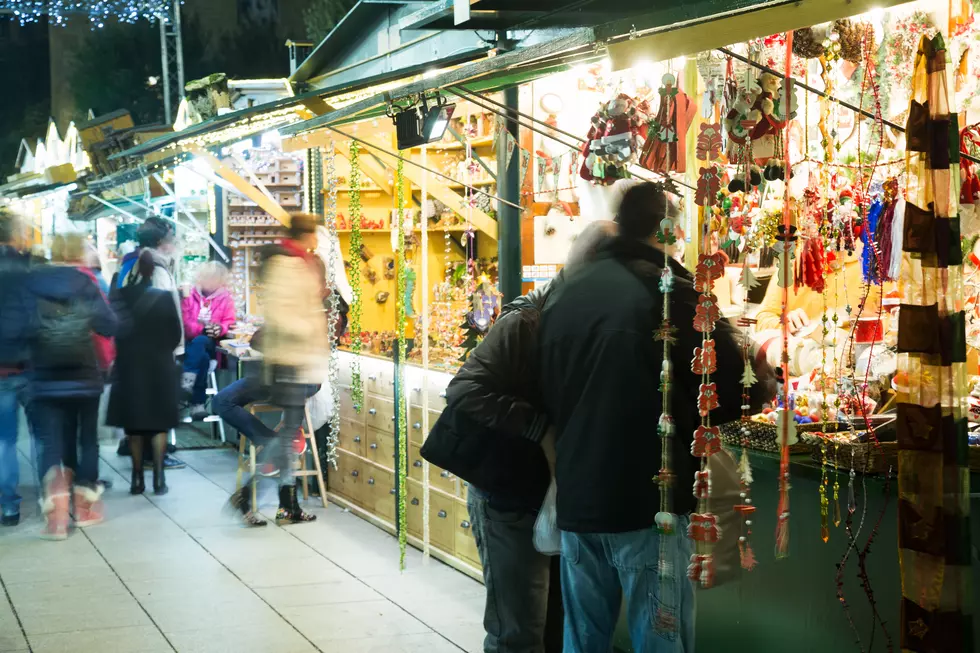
[785, 248]
[665, 146]
[616, 137]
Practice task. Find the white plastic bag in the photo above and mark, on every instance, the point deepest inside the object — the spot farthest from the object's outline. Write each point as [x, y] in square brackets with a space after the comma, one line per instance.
[547, 537]
[321, 405]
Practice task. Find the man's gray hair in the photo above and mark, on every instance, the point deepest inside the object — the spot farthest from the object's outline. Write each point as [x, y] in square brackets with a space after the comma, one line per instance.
[591, 239]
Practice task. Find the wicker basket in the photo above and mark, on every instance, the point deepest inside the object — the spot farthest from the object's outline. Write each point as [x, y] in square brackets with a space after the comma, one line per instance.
[863, 457]
[762, 436]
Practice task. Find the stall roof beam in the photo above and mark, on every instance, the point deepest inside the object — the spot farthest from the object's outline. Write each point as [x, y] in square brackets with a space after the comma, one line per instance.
[579, 41]
[681, 28]
[230, 175]
[520, 14]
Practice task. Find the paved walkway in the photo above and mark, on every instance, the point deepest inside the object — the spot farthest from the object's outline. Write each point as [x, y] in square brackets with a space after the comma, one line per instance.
[174, 573]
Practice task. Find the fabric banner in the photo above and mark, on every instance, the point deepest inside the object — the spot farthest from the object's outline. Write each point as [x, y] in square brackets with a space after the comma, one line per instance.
[933, 470]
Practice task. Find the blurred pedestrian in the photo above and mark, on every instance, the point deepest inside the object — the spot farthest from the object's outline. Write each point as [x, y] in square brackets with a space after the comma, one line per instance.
[208, 311]
[14, 356]
[295, 346]
[143, 399]
[65, 382]
[157, 236]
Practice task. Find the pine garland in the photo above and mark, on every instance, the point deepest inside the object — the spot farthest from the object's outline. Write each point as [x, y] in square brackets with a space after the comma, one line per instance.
[401, 464]
[357, 382]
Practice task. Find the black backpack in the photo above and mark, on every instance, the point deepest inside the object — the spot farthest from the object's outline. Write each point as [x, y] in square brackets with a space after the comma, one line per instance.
[64, 335]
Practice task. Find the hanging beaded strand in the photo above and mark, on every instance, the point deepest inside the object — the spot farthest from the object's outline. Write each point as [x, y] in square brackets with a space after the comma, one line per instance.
[745, 508]
[666, 521]
[333, 306]
[400, 322]
[354, 253]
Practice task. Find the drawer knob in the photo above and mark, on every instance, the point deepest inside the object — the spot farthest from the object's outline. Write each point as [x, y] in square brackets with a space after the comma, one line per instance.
[442, 395]
[355, 473]
[357, 438]
[464, 524]
[374, 445]
[392, 418]
[372, 411]
[372, 377]
[415, 502]
[391, 491]
[417, 463]
[444, 474]
[442, 514]
[416, 389]
[370, 481]
[417, 425]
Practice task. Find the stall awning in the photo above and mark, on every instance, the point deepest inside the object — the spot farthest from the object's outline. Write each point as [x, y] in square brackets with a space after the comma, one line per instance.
[119, 207]
[520, 14]
[485, 76]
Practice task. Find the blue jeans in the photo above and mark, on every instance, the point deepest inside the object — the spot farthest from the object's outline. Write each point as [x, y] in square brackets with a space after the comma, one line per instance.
[10, 389]
[599, 570]
[198, 354]
[64, 425]
[229, 405]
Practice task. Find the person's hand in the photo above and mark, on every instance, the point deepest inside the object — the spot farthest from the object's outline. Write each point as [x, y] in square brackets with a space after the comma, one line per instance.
[212, 330]
[185, 289]
[797, 319]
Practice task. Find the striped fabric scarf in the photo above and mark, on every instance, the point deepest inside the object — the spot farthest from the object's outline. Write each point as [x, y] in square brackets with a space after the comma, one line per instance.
[933, 474]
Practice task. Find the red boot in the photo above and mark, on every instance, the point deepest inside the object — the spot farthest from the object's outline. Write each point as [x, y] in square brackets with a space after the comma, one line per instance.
[89, 509]
[57, 494]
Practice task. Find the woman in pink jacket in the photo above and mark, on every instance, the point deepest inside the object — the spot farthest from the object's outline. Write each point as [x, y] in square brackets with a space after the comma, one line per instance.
[208, 312]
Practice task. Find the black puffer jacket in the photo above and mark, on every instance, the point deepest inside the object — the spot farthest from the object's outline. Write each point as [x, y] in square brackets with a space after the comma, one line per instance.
[15, 304]
[490, 432]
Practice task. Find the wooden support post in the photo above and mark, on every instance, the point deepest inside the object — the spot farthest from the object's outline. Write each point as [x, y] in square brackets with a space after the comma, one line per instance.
[230, 175]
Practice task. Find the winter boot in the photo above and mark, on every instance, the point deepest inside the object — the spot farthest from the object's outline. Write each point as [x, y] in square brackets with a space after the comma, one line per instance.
[289, 511]
[57, 494]
[199, 413]
[187, 382]
[89, 509]
[241, 503]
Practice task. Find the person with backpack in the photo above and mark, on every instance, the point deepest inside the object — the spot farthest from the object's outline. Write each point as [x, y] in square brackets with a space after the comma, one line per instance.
[143, 399]
[14, 358]
[492, 434]
[65, 383]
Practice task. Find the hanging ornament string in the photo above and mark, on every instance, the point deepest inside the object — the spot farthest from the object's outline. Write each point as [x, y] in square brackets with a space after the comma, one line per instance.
[785, 420]
[745, 508]
[333, 306]
[400, 323]
[354, 256]
[666, 520]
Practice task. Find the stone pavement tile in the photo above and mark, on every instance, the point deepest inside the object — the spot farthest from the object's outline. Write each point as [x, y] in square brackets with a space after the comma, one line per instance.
[435, 581]
[138, 639]
[11, 636]
[202, 612]
[425, 643]
[341, 591]
[354, 621]
[465, 637]
[200, 566]
[280, 638]
[219, 587]
[93, 615]
[449, 615]
[287, 572]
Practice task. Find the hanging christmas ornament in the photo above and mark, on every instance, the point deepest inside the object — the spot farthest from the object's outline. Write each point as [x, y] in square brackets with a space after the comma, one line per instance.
[664, 150]
[400, 325]
[333, 306]
[354, 255]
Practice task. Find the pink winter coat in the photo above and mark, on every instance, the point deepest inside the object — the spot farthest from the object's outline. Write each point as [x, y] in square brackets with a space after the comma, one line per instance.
[220, 304]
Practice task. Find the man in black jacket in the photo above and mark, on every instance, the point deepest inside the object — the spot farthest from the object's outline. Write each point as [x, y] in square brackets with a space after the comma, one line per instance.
[600, 368]
[491, 435]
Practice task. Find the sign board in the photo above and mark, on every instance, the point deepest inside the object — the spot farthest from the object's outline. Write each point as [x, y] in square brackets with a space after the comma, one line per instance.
[461, 11]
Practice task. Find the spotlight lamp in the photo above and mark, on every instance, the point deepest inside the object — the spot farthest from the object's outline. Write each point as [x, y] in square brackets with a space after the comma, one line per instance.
[419, 123]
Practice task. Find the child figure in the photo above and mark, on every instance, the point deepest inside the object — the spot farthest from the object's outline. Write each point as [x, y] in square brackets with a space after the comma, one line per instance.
[208, 312]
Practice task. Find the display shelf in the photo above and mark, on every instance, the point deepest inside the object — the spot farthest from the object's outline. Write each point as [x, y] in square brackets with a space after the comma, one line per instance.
[481, 141]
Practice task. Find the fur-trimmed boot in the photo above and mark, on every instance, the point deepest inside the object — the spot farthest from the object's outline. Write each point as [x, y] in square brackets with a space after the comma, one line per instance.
[57, 495]
[89, 509]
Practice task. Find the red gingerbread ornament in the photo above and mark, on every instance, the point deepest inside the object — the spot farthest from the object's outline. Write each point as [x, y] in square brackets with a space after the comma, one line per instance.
[705, 359]
[707, 441]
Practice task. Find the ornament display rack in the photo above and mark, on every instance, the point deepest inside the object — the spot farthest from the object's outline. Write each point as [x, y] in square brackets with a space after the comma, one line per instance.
[249, 227]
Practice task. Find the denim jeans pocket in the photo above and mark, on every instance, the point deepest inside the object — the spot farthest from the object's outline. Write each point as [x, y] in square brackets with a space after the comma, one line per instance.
[570, 548]
[665, 604]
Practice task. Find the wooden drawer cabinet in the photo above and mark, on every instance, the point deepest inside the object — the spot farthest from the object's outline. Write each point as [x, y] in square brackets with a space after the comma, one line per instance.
[378, 379]
[413, 508]
[348, 476]
[347, 406]
[378, 492]
[465, 544]
[351, 436]
[415, 462]
[379, 413]
[379, 447]
[440, 479]
[442, 532]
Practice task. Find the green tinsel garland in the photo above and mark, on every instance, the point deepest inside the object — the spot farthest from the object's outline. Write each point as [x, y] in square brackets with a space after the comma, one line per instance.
[401, 465]
[356, 383]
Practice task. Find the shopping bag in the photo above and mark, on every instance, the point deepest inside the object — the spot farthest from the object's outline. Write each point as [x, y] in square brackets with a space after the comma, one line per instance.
[547, 537]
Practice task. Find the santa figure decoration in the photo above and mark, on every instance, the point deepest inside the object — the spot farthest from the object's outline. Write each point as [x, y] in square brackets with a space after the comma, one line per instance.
[615, 139]
[665, 148]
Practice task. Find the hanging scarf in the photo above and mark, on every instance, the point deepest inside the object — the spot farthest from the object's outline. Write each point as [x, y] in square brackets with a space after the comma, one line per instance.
[933, 474]
[870, 267]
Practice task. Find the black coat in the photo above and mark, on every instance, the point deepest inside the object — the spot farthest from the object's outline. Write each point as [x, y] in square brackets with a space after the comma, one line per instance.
[145, 381]
[600, 379]
[490, 432]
